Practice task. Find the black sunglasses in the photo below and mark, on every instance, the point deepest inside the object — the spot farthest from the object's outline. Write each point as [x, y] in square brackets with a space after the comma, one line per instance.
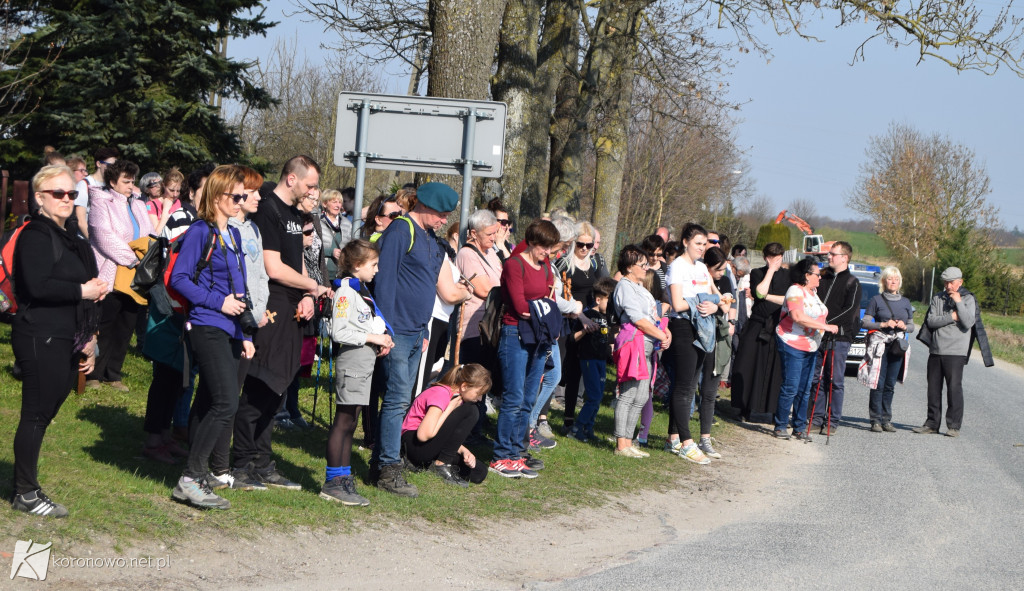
[380, 208]
[237, 197]
[713, 241]
[586, 245]
[59, 194]
[505, 222]
[394, 215]
[307, 232]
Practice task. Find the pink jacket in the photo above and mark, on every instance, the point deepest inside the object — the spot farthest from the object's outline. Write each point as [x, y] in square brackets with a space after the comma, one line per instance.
[630, 356]
[110, 230]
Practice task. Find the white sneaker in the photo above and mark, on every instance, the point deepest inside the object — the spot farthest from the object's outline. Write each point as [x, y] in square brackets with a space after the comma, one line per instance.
[198, 494]
[693, 454]
[637, 449]
[217, 482]
[630, 452]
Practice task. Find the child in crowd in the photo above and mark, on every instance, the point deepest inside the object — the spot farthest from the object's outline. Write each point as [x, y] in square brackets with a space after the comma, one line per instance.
[362, 334]
[440, 419]
[593, 349]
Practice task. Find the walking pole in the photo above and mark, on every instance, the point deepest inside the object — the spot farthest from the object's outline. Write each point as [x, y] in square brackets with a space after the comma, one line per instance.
[330, 379]
[821, 374]
[828, 408]
[316, 380]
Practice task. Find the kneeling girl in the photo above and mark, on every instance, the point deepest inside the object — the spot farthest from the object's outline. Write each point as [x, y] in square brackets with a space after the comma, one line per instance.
[440, 419]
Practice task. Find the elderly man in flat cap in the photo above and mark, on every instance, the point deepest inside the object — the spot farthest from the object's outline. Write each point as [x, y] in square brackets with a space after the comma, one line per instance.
[951, 326]
[411, 270]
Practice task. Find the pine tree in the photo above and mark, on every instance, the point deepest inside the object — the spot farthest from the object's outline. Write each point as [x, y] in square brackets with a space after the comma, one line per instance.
[139, 75]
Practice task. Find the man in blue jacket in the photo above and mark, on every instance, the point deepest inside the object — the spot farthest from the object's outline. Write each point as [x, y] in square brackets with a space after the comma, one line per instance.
[410, 267]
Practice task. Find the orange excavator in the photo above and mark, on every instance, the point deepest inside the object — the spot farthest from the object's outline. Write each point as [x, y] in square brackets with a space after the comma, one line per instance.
[814, 244]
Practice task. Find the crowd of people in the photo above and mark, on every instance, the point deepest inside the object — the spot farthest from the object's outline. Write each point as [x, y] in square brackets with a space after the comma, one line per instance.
[428, 338]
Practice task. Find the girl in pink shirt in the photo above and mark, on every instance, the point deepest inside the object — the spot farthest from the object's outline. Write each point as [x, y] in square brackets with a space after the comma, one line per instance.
[439, 421]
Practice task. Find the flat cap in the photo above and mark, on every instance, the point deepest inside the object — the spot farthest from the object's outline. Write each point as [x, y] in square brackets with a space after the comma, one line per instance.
[952, 274]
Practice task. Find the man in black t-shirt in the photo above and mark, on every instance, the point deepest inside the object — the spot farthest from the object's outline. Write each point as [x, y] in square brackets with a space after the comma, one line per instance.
[279, 342]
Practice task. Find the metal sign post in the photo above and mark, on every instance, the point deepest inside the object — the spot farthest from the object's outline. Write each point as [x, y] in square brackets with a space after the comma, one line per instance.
[419, 134]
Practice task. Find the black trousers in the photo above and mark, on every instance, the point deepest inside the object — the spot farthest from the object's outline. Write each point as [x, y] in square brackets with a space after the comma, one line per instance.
[571, 376]
[708, 392]
[445, 445]
[254, 423]
[948, 369]
[436, 346]
[48, 372]
[216, 394]
[688, 362]
[164, 392]
[117, 324]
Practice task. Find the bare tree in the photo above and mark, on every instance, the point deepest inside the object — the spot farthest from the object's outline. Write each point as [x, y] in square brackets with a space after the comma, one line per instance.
[22, 65]
[804, 208]
[917, 188]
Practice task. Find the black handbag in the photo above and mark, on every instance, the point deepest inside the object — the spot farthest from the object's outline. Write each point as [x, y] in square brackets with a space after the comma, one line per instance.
[150, 269]
[899, 346]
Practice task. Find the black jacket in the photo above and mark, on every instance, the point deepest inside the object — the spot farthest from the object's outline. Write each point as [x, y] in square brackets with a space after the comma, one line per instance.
[50, 266]
[841, 294]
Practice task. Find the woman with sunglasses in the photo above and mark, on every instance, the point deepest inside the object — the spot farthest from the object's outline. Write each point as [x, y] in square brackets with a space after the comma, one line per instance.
[57, 289]
[503, 243]
[219, 299]
[385, 209]
[799, 334]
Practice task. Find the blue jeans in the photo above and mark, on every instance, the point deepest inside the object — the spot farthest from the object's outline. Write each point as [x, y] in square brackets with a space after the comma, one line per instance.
[521, 366]
[401, 366]
[547, 385]
[593, 371]
[880, 399]
[797, 366]
[841, 349]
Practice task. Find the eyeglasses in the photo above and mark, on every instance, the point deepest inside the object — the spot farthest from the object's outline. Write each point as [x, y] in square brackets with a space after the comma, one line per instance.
[585, 245]
[505, 223]
[713, 241]
[105, 163]
[643, 265]
[237, 197]
[307, 231]
[815, 274]
[836, 254]
[86, 171]
[59, 194]
[152, 184]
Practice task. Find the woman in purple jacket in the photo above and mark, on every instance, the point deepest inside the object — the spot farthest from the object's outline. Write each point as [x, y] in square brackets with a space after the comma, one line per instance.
[218, 326]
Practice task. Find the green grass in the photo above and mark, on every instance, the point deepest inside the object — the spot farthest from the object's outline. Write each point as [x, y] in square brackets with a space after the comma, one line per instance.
[1012, 256]
[867, 246]
[91, 461]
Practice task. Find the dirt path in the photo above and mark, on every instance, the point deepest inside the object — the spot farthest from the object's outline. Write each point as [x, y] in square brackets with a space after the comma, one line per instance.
[505, 555]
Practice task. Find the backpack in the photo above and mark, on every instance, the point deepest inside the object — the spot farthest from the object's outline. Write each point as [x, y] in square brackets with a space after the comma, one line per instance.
[8, 303]
[174, 302]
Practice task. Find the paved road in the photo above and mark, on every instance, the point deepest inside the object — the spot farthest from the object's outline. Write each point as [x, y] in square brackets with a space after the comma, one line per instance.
[880, 510]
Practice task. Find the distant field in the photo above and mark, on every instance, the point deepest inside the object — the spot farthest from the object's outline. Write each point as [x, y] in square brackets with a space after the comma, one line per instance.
[1012, 256]
[866, 245]
[1006, 336]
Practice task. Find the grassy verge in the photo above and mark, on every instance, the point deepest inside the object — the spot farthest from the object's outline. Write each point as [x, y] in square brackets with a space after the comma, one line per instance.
[91, 461]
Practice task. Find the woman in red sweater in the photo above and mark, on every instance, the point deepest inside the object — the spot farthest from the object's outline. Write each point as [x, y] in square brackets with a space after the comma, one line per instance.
[526, 276]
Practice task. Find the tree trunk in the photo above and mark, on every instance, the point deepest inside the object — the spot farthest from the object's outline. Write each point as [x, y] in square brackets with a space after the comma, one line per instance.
[608, 86]
[557, 60]
[514, 84]
[465, 34]
[568, 138]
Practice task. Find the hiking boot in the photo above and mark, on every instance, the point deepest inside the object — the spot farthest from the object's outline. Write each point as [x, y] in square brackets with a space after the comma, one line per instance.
[540, 441]
[524, 470]
[198, 494]
[876, 427]
[270, 477]
[342, 489]
[888, 428]
[37, 503]
[392, 480]
[692, 453]
[925, 430]
[243, 479]
[159, 453]
[828, 431]
[709, 450]
[506, 468]
[952, 432]
[545, 429]
[802, 436]
[448, 473]
[783, 434]
[92, 384]
[117, 385]
[629, 452]
[535, 464]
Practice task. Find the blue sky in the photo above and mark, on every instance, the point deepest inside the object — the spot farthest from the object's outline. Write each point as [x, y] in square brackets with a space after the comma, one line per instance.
[808, 114]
